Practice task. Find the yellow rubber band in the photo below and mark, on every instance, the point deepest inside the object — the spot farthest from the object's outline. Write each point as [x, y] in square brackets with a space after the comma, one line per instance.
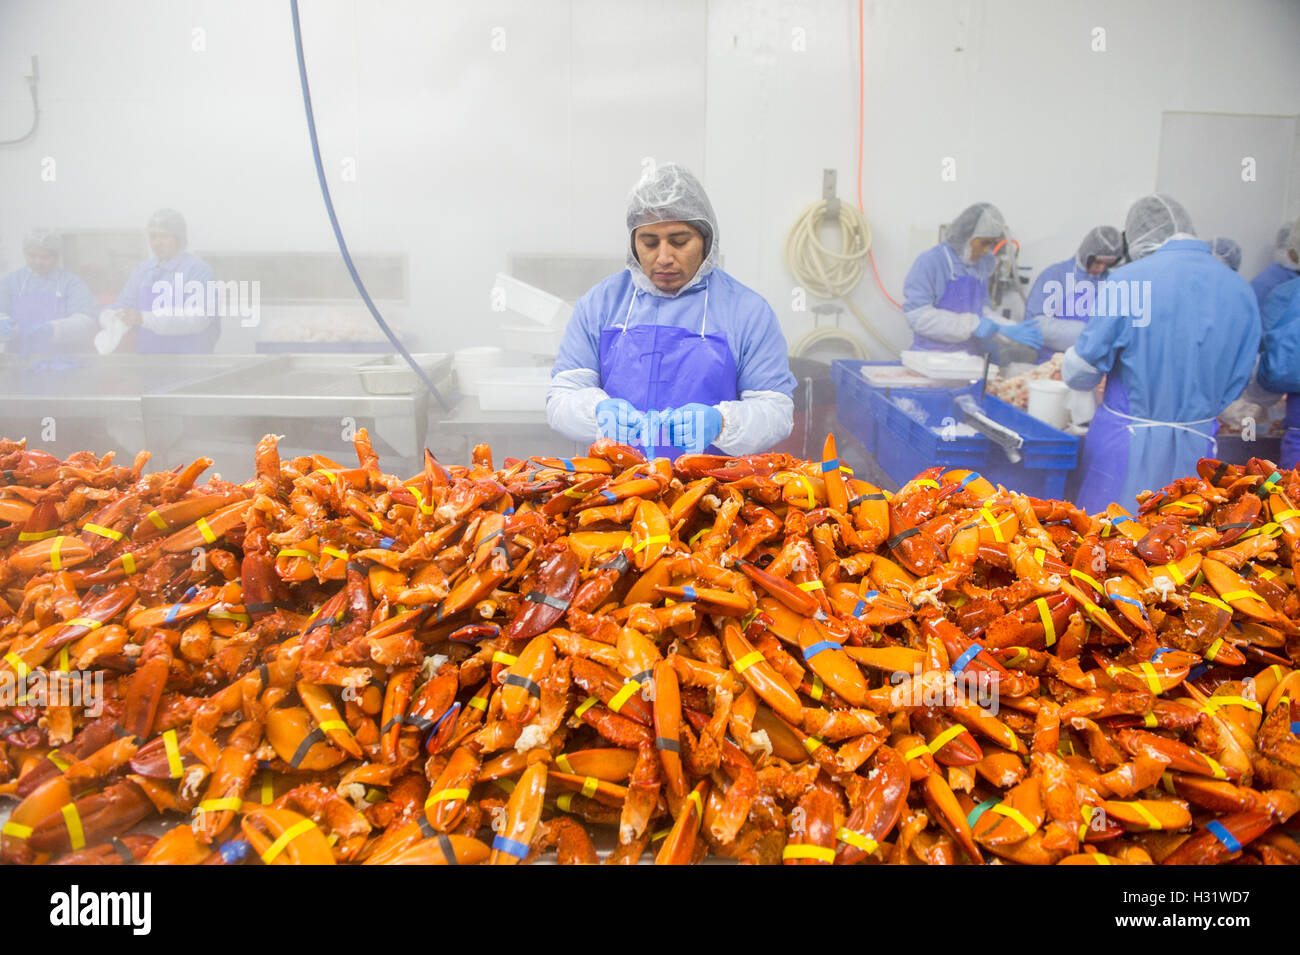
[565, 802]
[1214, 703]
[56, 561]
[172, 746]
[1015, 815]
[1211, 600]
[478, 703]
[812, 743]
[589, 786]
[808, 486]
[60, 763]
[205, 530]
[225, 804]
[1022, 654]
[1040, 555]
[64, 664]
[915, 751]
[446, 795]
[625, 692]
[951, 733]
[15, 661]
[1286, 515]
[748, 660]
[585, 705]
[698, 800]
[335, 552]
[653, 539]
[103, 531]
[818, 688]
[506, 659]
[1149, 719]
[562, 761]
[156, 520]
[993, 523]
[1100, 859]
[25, 536]
[1045, 614]
[1147, 815]
[926, 482]
[268, 789]
[286, 837]
[128, 563]
[1153, 678]
[1265, 572]
[1232, 595]
[1213, 651]
[1088, 580]
[1215, 768]
[296, 552]
[803, 851]
[16, 829]
[335, 725]
[856, 839]
[86, 622]
[811, 585]
[72, 820]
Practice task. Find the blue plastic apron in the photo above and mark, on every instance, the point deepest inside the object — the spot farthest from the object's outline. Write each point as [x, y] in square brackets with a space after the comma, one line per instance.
[148, 342]
[964, 294]
[1113, 436]
[34, 312]
[653, 367]
[1290, 455]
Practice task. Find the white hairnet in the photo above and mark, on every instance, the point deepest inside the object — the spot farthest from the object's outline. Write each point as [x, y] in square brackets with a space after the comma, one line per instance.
[46, 239]
[1152, 221]
[169, 221]
[1293, 239]
[1102, 241]
[1226, 251]
[1282, 248]
[670, 193]
[980, 221]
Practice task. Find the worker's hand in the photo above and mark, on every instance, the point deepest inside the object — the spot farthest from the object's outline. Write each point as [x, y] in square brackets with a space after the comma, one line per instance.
[619, 420]
[986, 329]
[131, 317]
[693, 427]
[1027, 332]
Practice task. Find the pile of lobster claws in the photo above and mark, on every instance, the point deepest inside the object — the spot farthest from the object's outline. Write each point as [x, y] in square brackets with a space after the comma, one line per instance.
[759, 658]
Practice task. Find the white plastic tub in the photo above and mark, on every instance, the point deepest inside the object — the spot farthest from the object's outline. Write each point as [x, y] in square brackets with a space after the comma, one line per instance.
[514, 389]
[472, 364]
[1047, 402]
[532, 303]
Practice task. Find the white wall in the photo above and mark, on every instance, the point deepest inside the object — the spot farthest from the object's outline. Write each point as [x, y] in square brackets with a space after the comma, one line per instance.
[466, 154]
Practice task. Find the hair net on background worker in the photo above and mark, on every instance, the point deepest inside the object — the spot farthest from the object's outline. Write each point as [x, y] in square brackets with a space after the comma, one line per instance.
[1292, 244]
[169, 221]
[46, 239]
[1226, 251]
[1152, 221]
[670, 193]
[980, 221]
[1102, 241]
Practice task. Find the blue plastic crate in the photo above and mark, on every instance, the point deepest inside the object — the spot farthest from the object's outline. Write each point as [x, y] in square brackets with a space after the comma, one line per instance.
[904, 447]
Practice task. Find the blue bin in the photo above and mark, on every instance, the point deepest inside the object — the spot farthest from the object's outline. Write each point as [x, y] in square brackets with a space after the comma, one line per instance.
[904, 447]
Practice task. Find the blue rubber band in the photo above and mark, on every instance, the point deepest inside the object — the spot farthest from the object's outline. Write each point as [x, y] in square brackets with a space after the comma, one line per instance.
[235, 851]
[1220, 832]
[1197, 672]
[172, 611]
[818, 647]
[387, 543]
[973, 476]
[832, 465]
[568, 464]
[609, 496]
[1161, 652]
[189, 594]
[510, 847]
[688, 592]
[965, 658]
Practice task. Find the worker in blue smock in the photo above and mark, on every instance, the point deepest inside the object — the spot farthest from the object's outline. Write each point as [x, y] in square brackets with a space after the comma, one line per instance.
[672, 354]
[165, 298]
[1062, 295]
[946, 292]
[1176, 336]
[1226, 250]
[44, 308]
[1279, 363]
[1284, 267]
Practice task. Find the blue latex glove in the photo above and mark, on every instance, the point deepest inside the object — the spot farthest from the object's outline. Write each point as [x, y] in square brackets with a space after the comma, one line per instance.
[693, 427]
[619, 419]
[1027, 333]
[986, 329]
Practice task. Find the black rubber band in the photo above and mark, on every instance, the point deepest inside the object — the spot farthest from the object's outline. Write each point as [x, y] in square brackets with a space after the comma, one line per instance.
[1219, 472]
[123, 851]
[496, 533]
[264, 674]
[619, 563]
[555, 603]
[392, 721]
[422, 723]
[1236, 526]
[319, 623]
[863, 498]
[501, 549]
[448, 850]
[311, 739]
[671, 745]
[262, 606]
[358, 566]
[514, 679]
[901, 536]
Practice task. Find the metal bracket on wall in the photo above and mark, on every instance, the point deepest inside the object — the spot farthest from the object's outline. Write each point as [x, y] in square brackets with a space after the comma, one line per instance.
[829, 177]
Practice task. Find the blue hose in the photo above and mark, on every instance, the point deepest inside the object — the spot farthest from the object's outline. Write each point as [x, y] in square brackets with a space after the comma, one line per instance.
[334, 219]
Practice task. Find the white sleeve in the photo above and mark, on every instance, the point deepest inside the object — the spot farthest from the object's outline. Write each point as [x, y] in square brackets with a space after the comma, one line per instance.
[941, 324]
[1077, 373]
[571, 404]
[1059, 333]
[752, 425]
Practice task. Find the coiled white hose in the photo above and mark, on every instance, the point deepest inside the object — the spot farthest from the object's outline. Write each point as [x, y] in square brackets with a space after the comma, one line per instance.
[826, 273]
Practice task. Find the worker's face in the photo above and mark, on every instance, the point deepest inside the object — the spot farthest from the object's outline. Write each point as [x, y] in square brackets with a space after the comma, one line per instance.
[41, 261]
[163, 244]
[980, 248]
[1101, 264]
[670, 253]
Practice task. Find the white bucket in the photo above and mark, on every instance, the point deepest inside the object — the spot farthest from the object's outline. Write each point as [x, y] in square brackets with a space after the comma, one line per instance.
[473, 364]
[1047, 402]
[1081, 406]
